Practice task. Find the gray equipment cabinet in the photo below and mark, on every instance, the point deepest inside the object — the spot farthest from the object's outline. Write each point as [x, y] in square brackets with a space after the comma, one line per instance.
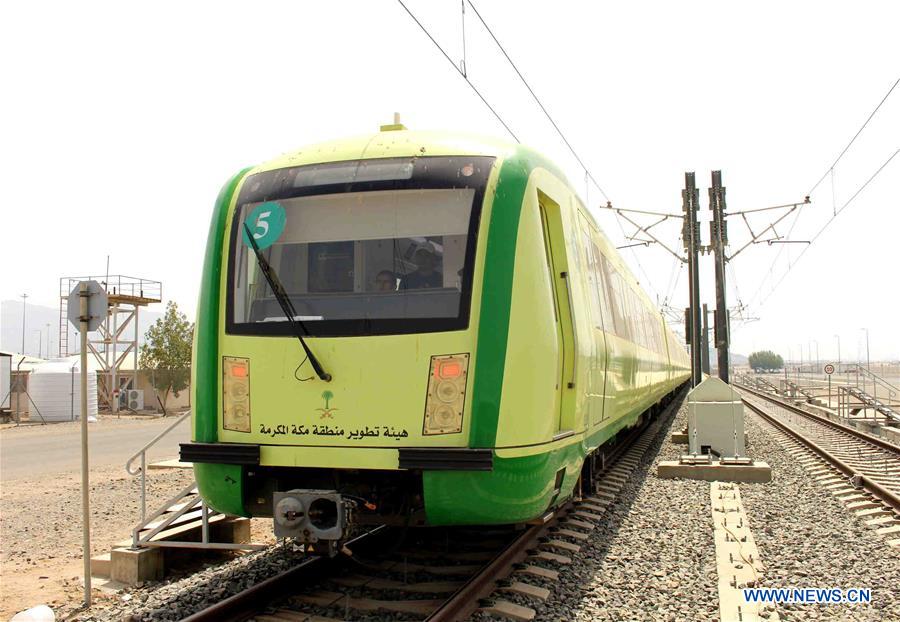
[715, 420]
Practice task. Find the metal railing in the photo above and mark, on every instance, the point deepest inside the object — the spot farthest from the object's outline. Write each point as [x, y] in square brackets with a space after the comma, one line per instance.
[876, 381]
[176, 510]
[116, 285]
[142, 454]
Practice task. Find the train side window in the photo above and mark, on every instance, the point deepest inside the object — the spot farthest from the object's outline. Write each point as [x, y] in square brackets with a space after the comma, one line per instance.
[601, 287]
[617, 300]
[645, 325]
[626, 307]
[638, 321]
[636, 314]
[593, 275]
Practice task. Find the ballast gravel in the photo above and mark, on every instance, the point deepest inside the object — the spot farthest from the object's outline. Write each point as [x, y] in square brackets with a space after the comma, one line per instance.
[807, 538]
[653, 557]
[178, 598]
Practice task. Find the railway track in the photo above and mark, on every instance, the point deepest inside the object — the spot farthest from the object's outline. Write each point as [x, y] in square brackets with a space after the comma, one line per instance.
[440, 574]
[861, 470]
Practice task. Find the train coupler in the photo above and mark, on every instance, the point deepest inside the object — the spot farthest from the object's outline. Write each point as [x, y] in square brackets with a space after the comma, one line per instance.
[320, 519]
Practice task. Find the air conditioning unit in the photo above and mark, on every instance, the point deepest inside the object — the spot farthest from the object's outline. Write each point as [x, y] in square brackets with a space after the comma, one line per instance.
[135, 399]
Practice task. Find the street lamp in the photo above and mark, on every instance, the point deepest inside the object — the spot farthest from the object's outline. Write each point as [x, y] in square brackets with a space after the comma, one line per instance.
[24, 296]
[868, 361]
[838, 337]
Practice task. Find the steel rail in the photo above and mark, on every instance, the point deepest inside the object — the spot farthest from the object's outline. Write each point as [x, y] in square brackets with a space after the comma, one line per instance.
[245, 604]
[464, 602]
[874, 488]
[869, 438]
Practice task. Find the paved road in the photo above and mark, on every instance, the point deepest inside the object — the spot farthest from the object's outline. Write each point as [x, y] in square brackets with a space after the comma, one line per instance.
[57, 448]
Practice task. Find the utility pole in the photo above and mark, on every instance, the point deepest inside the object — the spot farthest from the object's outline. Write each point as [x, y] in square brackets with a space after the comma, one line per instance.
[84, 319]
[868, 360]
[690, 197]
[24, 296]
[87, 306]
[704, 345]
[718, 230]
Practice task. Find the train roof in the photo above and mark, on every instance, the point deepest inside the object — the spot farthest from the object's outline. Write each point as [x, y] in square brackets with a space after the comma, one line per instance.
[396, 141]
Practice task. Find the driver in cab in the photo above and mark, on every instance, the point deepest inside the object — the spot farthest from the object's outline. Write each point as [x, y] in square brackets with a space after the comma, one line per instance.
[425, 276]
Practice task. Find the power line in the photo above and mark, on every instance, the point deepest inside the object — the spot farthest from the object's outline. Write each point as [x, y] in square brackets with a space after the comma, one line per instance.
[538, 101]
[463, 72]
[858, 132]
[829, 170]
[460, 72]
[830, 220]
[636, 260]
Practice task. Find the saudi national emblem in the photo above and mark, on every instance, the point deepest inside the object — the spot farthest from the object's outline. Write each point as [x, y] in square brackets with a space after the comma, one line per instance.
[327, 412]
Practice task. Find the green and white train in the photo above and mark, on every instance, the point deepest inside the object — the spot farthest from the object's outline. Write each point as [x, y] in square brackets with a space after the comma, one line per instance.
[414, 328]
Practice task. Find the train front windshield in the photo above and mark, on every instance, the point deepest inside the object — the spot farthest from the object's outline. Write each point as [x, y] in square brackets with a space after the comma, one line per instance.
[365, 247]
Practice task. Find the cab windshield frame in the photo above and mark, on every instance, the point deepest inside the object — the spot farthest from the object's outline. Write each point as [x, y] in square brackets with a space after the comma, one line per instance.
[415, 173]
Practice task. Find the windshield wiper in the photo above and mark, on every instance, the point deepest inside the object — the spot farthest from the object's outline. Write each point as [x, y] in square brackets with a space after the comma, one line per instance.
[287, 306]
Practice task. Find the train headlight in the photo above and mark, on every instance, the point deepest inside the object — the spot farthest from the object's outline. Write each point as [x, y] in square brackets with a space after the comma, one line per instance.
[236, 393]
[446, 397]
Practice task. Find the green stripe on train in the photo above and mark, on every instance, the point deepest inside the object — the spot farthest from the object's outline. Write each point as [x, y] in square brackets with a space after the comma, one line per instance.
[205, 365]
[496, 291]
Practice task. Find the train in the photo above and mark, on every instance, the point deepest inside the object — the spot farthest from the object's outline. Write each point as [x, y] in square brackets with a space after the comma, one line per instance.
[414, 328]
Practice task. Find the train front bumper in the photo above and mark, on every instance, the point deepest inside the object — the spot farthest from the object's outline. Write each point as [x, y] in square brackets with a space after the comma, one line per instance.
[408, 458]
[457, 486]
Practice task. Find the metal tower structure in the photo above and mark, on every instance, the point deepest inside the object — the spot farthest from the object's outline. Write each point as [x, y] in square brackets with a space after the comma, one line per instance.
[117, 338]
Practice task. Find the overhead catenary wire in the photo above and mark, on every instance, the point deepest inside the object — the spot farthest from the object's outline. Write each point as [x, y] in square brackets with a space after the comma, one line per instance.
[462, 6]
[539, 102]
[637, 261]
[828, 171]
[461, 73]
[830, 220]
[855, 136]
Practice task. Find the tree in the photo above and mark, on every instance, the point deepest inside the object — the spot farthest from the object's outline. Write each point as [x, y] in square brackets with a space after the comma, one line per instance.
[766, 359]
[167, 352]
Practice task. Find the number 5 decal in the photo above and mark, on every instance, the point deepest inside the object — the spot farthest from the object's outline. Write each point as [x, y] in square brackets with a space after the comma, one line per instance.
[267, 221]
[261, 222]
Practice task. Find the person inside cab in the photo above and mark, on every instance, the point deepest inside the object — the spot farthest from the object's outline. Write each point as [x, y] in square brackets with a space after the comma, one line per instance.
[385, 281]
[425, 276]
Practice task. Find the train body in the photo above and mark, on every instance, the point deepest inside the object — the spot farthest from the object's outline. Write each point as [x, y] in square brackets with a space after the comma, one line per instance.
[482, 336]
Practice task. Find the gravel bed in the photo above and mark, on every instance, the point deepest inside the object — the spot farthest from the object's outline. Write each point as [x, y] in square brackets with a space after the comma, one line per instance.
[807, 538]
[177, 598]
[40, 531]
[651, 558]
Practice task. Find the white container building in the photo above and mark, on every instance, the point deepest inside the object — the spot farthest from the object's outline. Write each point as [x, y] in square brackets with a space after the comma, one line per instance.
[5, 386]
[55, 388]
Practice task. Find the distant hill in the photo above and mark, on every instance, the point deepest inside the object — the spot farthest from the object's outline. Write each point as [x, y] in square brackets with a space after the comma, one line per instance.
[736, 359]
[37, 317]
[739, 359]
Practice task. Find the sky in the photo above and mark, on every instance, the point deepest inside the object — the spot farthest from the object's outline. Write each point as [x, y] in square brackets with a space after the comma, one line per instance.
[120, 122]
